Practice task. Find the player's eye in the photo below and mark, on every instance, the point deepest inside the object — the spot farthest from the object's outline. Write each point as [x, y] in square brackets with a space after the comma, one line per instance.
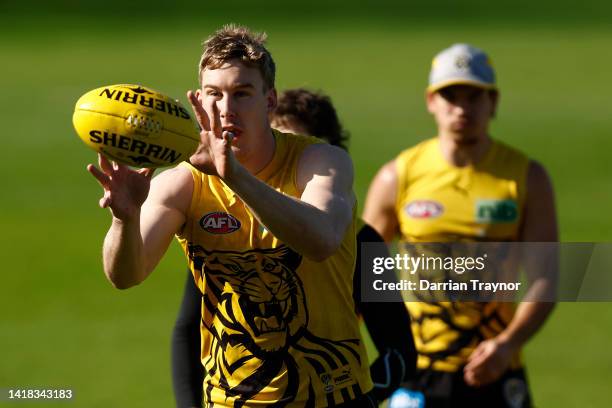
[475, 96]
[241, 94]
[212, 92]
[448, 95]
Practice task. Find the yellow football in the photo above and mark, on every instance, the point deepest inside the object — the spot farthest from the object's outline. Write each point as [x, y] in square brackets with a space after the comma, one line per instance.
[136, 125]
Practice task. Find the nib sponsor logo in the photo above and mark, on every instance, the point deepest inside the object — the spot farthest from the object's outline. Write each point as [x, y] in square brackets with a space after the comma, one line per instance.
[219, 222]
[496, 211]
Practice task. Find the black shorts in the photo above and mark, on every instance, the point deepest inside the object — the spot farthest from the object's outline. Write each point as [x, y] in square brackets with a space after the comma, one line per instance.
[446, 390]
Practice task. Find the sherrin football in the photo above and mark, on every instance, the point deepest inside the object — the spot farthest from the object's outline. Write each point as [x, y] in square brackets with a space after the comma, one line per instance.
[136, 125]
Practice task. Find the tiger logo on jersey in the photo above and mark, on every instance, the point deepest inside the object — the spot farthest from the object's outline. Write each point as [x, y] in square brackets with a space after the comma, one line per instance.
[260, 289]
[443, 328]
[256, 312]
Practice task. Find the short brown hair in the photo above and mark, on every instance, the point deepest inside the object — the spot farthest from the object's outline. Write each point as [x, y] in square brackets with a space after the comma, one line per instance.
[238, 42]
[314, 111]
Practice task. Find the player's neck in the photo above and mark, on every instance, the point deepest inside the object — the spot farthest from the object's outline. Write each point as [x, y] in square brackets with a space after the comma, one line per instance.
[257, 161]
[460, 152]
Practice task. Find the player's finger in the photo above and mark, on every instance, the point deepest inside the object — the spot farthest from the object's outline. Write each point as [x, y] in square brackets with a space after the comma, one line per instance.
[102, 177]
[477, 352]
[198, 109]
[468, 376]
[471, 380]
[105, 164]
[228, 137]
[120, 167]
[215, 119]
[105, 201]
[475, 362]
[476, 371]
[148, 173]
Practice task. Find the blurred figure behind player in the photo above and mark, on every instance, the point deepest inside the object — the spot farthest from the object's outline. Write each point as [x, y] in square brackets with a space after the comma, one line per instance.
[469, 353]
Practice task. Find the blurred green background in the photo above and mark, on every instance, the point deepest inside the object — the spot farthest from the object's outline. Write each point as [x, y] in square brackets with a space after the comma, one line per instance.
[64, 326]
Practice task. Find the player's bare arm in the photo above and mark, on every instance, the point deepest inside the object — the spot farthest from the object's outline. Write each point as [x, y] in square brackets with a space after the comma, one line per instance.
[146, 215]
[379, 209]
[313, 225]
[492, 357]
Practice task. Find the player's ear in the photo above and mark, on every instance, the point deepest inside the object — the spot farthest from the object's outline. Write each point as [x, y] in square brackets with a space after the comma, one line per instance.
[429, 101]
[198, 94]
[272, 100]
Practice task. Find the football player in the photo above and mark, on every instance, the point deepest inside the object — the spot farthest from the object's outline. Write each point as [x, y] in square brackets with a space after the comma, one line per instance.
[436, 191]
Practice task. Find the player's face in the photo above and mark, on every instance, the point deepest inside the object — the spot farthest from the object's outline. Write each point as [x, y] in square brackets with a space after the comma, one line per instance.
[243, 102]
[463, 111]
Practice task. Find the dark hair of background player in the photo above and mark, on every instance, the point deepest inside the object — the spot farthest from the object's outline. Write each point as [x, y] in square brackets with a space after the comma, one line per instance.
[314, 112]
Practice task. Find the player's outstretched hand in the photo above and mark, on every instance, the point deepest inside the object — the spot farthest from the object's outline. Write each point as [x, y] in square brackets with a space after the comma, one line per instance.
[125, 190]
[487, 363]
[214, 154]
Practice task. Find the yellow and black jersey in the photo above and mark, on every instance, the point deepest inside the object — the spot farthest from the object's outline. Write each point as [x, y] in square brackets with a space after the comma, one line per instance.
[438, 202]
[277, 328]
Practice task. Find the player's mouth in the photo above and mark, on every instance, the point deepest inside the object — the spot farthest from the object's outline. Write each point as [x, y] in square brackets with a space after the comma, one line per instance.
[235, 130]
[460, 124]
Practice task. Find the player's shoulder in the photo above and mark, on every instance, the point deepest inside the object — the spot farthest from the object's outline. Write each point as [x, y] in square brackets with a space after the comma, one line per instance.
[288, 142]
[310, 151]
[537, 176]
[178, 176]
[325, 154]
[510, 153]
[173, 187]
[387, 174]
[322, 159]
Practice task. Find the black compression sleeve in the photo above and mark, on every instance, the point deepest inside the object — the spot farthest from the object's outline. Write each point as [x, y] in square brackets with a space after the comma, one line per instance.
[187, 370]
[389, 327]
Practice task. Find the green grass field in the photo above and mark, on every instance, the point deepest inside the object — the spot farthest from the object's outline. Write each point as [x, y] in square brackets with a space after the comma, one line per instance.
[62, 323]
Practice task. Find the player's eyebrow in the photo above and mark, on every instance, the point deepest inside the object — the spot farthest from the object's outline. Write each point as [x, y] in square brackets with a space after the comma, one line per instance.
[242, 85]
[239, 85]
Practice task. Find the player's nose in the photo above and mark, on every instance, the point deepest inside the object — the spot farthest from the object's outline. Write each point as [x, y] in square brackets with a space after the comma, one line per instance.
[459, 110]
[462, 108]
[226, 107]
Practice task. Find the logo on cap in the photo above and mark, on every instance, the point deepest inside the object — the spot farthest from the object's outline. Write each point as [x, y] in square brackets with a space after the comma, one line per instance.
[462, 62]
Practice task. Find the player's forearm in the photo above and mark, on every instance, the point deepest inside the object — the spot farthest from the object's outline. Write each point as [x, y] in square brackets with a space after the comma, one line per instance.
[305, 228]
[123, 253]
[528, 319]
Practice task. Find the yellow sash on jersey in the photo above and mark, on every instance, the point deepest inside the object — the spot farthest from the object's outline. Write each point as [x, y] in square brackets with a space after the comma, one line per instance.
[277, 328]
[437, 202]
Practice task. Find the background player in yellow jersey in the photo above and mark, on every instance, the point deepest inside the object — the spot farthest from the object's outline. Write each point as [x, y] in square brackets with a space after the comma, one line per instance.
[463, 185]
[302, 111]
[267, 222]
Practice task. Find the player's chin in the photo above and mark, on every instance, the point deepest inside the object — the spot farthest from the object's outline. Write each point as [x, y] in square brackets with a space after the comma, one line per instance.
[463, 137]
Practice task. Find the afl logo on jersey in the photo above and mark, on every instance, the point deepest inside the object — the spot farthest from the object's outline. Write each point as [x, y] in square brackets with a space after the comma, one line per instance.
[424, 209]
[219, 223]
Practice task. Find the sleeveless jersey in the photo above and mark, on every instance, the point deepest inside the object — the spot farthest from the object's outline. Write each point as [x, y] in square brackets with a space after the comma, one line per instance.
[277, 328]
[438, 202]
